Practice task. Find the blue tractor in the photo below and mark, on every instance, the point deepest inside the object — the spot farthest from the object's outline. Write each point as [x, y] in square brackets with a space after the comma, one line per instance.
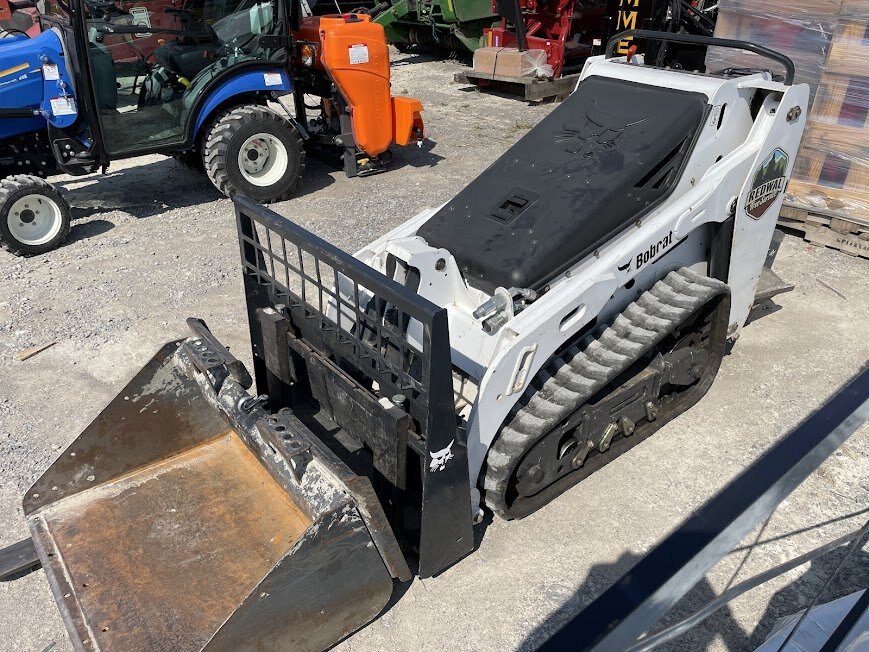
[225, 86]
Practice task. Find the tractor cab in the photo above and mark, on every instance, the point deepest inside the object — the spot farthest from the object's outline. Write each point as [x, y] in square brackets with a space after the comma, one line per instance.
[147, 101]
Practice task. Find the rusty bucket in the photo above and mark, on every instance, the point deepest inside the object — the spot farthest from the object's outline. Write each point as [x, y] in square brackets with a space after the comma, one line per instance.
[180, 521]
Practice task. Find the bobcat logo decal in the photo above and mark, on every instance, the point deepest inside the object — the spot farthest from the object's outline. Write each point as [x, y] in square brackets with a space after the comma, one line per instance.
[598, 132]
[440, 458]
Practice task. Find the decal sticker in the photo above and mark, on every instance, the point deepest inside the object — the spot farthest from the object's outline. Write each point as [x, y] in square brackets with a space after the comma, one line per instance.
[715, 115]
[50, 72]
[13, 69]
[62, 106]
[440, 458]
[358, 53]
[273, 79]
[649, 254]
[141, 17]
[14, 79]
[768, 183]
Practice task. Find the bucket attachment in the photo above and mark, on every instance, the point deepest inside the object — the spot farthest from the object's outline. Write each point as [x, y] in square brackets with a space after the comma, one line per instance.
[185, 517]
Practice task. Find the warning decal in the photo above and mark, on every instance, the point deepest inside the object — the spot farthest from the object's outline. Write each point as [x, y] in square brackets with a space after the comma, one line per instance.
[50, 72]
[62, 106]
[358, 53]
[141, 17]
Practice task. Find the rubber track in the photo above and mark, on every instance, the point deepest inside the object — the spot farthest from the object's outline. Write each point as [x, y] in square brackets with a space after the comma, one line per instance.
[217, 142]
[17, 182]
[570, 379]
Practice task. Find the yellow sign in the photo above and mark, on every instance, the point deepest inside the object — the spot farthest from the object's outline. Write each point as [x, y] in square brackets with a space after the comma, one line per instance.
[626, 19]
[13, 70]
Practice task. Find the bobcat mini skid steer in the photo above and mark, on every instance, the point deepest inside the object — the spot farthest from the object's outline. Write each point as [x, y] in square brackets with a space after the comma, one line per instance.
[490, 353]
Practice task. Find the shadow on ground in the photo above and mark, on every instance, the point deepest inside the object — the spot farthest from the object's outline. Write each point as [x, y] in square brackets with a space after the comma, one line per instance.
[86, 230]
[156, 187]
[421, 54]
[507, 91]
[142, 190]
[422, 156]
[853, 575]
[153, 188]
[417, 157]
[602, 576]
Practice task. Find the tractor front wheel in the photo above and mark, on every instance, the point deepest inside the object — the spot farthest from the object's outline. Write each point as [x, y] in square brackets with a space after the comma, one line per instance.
[34, 218]
[254, 151]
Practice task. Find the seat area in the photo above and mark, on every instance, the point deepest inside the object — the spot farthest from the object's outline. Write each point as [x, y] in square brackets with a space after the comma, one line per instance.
[610, 153]
[191, 54]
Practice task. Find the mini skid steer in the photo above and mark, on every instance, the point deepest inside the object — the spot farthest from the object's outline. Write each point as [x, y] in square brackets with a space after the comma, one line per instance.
[238, 89]
[492, 352]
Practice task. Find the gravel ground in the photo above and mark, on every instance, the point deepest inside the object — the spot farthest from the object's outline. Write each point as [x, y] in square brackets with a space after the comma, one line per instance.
[153, 243]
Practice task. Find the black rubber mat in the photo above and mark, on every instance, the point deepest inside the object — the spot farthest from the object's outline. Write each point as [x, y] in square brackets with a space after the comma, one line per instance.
[608, 154]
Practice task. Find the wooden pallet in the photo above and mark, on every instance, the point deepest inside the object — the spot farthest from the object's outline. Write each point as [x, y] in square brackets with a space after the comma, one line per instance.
[801, 29]
[530, 88]
[828, 229]
[827, 41]
[832, 168]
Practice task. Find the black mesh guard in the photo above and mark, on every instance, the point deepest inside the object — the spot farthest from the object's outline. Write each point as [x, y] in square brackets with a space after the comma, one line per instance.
[369, 334]
[292, 270]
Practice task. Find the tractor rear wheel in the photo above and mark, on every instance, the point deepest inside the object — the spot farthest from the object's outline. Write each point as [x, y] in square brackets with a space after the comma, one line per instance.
[254, 151]
[34, 218]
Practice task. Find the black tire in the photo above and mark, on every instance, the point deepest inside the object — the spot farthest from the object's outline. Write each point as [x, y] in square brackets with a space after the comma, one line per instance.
[190, 159]
[223, 143]
[55, 215]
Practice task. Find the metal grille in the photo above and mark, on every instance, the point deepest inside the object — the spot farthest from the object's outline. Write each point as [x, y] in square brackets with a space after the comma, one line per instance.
[346, 309]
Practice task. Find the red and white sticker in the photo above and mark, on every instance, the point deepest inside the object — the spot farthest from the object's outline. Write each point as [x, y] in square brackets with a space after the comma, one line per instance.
[358, 53]
[50, 71]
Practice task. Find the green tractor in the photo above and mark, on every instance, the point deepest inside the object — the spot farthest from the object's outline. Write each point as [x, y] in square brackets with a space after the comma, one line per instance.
[455, 25]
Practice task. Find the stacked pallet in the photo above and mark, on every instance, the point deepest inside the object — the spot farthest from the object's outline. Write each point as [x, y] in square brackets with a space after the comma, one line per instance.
[801, 29]
[828, 196]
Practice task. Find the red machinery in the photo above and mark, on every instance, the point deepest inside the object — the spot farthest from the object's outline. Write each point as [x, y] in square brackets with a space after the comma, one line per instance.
[564, 29]
[128, 48]
[19, 17]
[570, 31]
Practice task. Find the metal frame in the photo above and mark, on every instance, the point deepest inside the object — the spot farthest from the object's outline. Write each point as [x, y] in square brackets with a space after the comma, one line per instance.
[692, 39]
[324, 325]
[629, 609]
